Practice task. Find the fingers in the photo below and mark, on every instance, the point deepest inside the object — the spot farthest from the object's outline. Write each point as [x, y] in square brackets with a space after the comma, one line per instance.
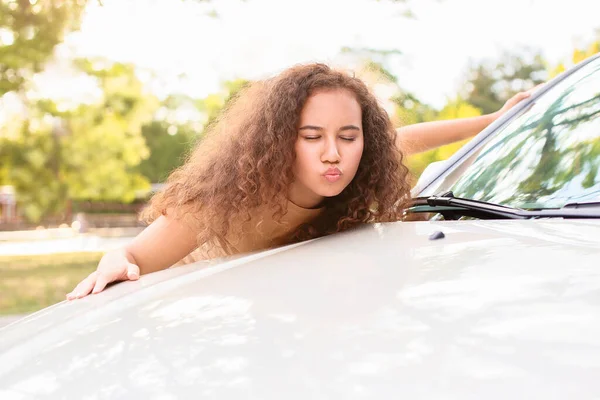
[521, 95]
[516, 99]
[101, 283]
[536, 87]
[133, 272]
[529, 92]
[97, 281]
[84, 287]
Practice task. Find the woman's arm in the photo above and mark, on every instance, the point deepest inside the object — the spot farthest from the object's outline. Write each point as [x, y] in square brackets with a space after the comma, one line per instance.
[157, 247]
[429, 135]
[164, 242]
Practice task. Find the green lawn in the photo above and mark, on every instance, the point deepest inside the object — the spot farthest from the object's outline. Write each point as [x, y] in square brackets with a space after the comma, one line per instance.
[30, 283]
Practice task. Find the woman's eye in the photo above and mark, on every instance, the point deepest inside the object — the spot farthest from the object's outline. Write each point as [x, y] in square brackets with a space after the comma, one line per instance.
[311, 137]
[348, 139]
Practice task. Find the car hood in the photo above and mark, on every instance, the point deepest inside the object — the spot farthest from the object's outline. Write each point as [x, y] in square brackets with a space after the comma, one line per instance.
[495, 309]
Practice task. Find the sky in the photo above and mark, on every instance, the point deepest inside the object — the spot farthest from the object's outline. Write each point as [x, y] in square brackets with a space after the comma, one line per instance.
[258, 38]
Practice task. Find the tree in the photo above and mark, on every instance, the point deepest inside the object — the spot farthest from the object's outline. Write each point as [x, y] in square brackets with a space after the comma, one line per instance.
[90, 152]
[29, 32]
[489, 84]
[29, 164]
[168, 144]
[169, 139]
[106, 143]
[212, 105]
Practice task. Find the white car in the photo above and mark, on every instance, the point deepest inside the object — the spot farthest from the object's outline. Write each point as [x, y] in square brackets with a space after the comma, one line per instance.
[489, 290]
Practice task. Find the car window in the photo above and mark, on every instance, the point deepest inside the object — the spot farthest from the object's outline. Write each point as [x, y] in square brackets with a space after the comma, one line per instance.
[547, 156]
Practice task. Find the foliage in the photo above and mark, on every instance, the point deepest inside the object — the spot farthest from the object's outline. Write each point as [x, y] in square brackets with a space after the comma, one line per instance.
[90, 152]
[30, 165]
[29, 32]
[488, 87]
[490, 84]
[169, 140]
[168, 145]
[212, 105]
[108, 134]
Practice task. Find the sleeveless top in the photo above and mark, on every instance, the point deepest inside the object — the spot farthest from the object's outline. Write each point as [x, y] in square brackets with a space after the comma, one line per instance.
[260, 233]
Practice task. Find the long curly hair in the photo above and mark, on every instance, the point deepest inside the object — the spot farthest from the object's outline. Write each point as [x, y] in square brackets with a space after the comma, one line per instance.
[246, 161]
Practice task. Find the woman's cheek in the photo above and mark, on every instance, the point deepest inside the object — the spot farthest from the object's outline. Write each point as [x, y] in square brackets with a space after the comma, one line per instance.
[357, 156]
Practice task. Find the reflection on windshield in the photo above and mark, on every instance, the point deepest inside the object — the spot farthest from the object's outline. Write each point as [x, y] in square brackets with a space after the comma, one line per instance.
[546, 157]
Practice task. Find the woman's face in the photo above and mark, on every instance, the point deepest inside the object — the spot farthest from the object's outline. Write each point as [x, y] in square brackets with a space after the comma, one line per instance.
[328, 147]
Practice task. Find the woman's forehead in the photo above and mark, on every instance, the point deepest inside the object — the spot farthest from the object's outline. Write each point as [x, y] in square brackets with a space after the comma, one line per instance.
[334, 102]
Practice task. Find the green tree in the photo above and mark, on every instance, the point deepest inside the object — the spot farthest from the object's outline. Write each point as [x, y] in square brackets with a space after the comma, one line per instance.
[29, 164]
[106, 144]
[169, 139]
[490, 84]
[168, 145]
[212, 105]
[29, 32]
[91, 152]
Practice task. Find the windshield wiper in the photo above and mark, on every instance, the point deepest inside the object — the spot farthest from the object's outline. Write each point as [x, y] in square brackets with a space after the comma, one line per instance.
[448, 204]
[456, 205]
[589, 204]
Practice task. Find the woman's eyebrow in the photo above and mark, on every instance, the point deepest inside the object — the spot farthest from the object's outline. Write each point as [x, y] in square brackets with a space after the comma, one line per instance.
[319, 128]
[313, 127]
[349, 128]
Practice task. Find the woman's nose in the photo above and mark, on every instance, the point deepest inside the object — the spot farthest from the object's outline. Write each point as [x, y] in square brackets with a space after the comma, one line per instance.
[330, 152]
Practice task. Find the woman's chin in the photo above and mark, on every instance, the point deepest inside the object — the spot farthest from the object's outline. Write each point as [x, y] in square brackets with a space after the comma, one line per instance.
[331, 191]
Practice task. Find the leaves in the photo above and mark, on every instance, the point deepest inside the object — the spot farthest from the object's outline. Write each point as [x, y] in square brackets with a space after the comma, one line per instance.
[167, 151]
[88, 153]
[29, 32]
[490, 84]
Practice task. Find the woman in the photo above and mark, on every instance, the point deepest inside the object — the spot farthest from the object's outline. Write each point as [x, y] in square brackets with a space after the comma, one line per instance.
[304, 154]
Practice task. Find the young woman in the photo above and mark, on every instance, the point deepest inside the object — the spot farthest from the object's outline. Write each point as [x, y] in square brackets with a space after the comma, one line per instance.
[307, 153]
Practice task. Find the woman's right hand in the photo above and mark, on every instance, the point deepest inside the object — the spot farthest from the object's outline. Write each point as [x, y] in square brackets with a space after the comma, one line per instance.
[113, 267]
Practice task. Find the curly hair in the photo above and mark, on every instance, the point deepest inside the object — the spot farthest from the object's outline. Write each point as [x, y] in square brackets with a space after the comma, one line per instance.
[246, 161]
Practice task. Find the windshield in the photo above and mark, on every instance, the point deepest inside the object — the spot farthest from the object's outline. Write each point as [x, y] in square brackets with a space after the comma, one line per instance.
[545, 157]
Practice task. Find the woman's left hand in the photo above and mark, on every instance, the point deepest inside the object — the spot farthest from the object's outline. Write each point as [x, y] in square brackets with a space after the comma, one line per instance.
[513, 101]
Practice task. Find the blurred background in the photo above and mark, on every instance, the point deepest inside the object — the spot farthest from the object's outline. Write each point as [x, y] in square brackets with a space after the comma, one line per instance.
[101, 99]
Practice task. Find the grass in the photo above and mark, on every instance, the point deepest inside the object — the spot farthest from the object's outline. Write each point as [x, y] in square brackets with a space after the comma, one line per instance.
[30, 283]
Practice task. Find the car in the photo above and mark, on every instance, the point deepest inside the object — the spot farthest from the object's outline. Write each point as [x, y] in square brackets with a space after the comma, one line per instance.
[490, 289]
